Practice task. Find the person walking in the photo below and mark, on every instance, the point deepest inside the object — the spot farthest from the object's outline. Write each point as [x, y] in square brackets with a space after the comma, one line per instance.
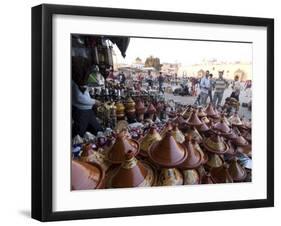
[160, 82]
[236, 88]
[210, 93]
[220, 84]
[204, 89]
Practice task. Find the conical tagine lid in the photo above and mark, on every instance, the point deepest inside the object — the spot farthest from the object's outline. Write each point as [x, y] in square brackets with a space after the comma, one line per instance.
[235, 120]
[193, 119]
[203, 128]
[151, 137]
[232, 150]
[221, 127]
[86, 175]
[194, 157]
[237, 172]
[140, 108]
[177, 134]
[194, 134]
[151, 109]
[240, 141]
[201, 113]
[216, 144]
[132, 173]
[210, 111]
[221, 174]
[214, 161]
[190, 176]
[122, 145]
[167, 152]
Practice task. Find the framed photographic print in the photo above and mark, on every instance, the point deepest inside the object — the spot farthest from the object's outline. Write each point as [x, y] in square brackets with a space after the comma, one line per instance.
[146, 112]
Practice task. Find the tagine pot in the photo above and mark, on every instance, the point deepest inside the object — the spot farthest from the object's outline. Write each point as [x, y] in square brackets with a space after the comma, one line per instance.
[140, 110]
[194, 134]
[222, 128]
[170, 177]
[122, 145]
[235, 120]
[221, 174]
[177, 134]
[151, 111]
[151, 137]
[211, 112]
[131, 173]
[120, 110]
[214, 161]
[85, 176]
[215, 144]
[207, 179]
[190, 177]
[167, 152]
[193, 119]
[237, 172]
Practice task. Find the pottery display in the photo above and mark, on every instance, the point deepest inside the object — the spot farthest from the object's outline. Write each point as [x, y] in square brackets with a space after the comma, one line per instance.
[86, 176]
[236, 171]
[131, 173]
[122, 145]
[170, 177]
[167, 152]
[151, 137]
[177, 134]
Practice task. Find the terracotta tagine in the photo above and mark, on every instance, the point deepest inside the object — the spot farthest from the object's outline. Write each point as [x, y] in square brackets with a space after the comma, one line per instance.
[190, 176]
[216, 144]
[211, 112]
[170, 177]
[236, 171]
[187, 112]
[205, 120]
[232, 149]
[214, 161]
[221, 174]
[122, 145]
[193, 119]
[194, 157]
[177, 134]
[167, 152]
[151, 137]
[151, 110]
[86, 176]
[167, 127]
[120, 110]
[194, 134]
[140, 110]
[240, 141]
[235, 120]
[201, 113]
[221, 127]
[181, 122]
[203, 128]
[132, 173]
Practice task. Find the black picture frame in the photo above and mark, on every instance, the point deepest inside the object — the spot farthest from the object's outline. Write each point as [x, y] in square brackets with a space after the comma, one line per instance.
[42, 111]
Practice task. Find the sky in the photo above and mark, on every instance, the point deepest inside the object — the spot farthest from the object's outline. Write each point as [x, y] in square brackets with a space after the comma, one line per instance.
[186, 52]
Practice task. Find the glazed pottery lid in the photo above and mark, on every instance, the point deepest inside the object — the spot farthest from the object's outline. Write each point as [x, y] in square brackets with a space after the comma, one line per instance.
[194, 157]
[193, 119]
[237, 172]
[194, 134]
[132, 173]
[221, 127]
[177, 134]
[232, 150]
[190, 176]
[214, 161]
[207, 179]
[167, 152]
[221, 174]
[148, 139]
[201, 112]
[170, 177]
[140, 108]
[216, 144]
[203, 128]
[86, 175]
[232, 135]
[166, 128]
[235, 120]
[210, 111]
[240, 141]
[122, 145]
[151, 109]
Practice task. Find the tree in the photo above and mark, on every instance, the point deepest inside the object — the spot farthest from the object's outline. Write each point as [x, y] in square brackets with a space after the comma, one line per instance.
[153, 62]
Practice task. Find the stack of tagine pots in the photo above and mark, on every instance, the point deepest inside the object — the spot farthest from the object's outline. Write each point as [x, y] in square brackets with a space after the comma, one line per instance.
[168, 154]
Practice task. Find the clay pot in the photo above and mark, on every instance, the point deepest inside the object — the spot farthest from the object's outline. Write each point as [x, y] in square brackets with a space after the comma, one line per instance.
[151, 109]
[167, 152]
[132, 173]
[194, 157]
[140, 108]
[240, 141]
[221, 127]
[167, 127]
[201, 113]
[120, 110]
[177, 134]
[203, 128]
[216, 144]
[181, 122]
[151, 137]
[190, 176]
[193, 119]
[232, 149]
[236, 171]
[211, 112]
[170, 177]
[86, 176]
[194, 134]
[221, 174]
[214, 161]
[121, 147]
[235, 120]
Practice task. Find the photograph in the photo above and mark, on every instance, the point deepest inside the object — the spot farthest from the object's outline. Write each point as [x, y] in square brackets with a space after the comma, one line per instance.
[154, 111]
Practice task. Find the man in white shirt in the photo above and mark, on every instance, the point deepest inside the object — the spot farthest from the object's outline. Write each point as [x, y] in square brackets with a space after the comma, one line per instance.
[204, 88]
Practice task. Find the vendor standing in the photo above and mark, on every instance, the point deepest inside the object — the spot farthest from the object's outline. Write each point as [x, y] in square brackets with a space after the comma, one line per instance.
[236, 87]
[83, 116]
[220, 85]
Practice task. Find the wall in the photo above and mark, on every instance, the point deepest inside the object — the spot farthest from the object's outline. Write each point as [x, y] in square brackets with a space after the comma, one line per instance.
[16, 120]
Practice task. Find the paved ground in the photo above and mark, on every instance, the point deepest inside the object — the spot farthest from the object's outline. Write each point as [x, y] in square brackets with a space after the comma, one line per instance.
[190, 100]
